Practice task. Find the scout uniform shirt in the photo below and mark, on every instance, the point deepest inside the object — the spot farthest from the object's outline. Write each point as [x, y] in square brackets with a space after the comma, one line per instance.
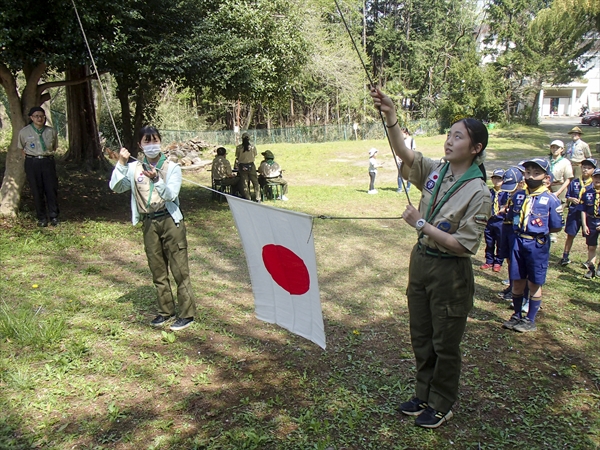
[464, 214]
[591, 206]
[576, 189]
[269, 169]
[577, 151]
[561, 170]
[536, 213]
[147, 198]
[245, 157]
[221, 168]
[499, 199]
[37, 143]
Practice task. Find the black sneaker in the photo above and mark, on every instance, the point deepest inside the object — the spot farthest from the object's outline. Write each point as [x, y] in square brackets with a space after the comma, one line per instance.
[591, 273]
[512, 322]
[565, 261]
[506, 294]
[180, 324]
[432, 418]
[525, 326]
[42, 223]
[54, 222]
[159, 320]
[413, 407]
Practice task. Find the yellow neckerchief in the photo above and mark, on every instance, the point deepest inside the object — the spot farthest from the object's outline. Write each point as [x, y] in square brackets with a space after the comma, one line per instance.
[496, 205]
[585, 184]
[597, 203]
[527, 205]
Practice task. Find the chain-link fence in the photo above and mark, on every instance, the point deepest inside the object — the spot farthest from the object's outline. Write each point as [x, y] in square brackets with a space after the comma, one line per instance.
[297, 135]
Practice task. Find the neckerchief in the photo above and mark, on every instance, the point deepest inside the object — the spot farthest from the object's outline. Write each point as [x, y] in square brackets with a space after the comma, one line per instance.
[270, 162]
[554, 161]
[496, 205]
[597, 203]
[585, 184]
[528, 204]
[158, 166]
[472, 173]
[40, 133]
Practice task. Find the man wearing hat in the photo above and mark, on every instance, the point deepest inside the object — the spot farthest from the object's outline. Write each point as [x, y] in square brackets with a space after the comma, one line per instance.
[577, 150]
[245, 154]
[493, 229]
[536, 213]
[574, 196]
[270, 173]
[38, 143]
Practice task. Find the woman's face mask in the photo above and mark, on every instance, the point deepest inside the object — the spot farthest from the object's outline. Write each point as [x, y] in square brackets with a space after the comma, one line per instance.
[151, 150]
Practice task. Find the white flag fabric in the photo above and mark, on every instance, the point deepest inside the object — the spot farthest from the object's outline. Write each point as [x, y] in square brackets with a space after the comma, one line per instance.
[283, 269]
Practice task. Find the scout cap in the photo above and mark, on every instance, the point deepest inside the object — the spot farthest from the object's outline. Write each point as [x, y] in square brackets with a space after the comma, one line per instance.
[268, 154]
[590, 161]
[498, 173]
[576, 130]
[512, 177]
[596, 172]
[543, 164]
[245, 135]
[372, 151]
[520, 166]
[558, 143]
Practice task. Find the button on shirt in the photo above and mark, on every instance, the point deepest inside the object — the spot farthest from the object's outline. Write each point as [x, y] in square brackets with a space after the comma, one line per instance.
[466, 212]
[29, 141]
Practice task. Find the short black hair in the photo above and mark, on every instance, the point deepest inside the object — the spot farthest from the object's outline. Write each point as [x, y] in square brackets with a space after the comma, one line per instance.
[148, 131]
[35, 109]
[221, 151]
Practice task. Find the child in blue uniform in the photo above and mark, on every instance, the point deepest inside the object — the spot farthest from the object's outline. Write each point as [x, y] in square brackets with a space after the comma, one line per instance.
[537, 213]
[493, 229]
[590, 221]
[511, 183]
[573, 198]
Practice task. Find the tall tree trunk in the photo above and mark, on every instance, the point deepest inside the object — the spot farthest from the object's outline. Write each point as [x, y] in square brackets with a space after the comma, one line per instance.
[84, 142]
[14, 173]
[128, 141]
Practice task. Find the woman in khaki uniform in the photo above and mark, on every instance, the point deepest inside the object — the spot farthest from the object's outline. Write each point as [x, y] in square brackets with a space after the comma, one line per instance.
[454, 208]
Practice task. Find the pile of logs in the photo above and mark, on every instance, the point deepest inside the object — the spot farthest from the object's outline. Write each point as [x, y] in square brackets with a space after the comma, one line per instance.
[193, 154]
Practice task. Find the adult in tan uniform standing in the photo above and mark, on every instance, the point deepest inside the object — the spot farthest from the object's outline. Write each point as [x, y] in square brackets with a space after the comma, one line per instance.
[38, 143]
[577, 151]
[245, 154]
[453, 211]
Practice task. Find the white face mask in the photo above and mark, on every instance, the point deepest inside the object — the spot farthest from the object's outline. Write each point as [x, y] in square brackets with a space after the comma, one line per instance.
[151, 150]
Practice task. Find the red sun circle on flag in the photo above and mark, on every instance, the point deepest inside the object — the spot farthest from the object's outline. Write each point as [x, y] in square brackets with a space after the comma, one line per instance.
[287, 269]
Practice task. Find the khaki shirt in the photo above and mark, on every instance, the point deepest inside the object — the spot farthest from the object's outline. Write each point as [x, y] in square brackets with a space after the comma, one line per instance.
[243, 157]
[561, 170]
[578, 150]
[29, 141]
[144, 190]
[221, 168]
[269, 170]
[464, 215]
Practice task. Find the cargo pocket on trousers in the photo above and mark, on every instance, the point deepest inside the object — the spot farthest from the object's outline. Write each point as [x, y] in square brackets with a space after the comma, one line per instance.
[457, 311]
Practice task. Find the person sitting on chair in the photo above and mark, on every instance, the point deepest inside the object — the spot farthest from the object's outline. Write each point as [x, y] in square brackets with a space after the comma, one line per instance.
[270, 173]
[222, 174]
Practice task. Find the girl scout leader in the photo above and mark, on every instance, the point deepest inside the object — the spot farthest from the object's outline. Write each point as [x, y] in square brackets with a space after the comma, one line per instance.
[454, 208]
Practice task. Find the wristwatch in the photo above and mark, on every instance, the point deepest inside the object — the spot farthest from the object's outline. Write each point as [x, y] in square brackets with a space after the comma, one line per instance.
[420, 224]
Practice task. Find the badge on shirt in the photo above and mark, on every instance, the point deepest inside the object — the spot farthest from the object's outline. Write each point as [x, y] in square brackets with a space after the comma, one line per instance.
[481, 219]
[544, 200]
[431, 179]
[444, 226]
[537, 222]
[520, 196]
[140, 178]
[32, 145]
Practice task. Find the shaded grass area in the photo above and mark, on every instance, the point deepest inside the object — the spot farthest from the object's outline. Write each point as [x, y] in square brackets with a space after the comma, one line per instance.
[95, 375]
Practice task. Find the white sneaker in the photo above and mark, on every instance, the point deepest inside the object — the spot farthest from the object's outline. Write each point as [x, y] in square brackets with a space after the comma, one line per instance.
[284, 198]
[372, 191]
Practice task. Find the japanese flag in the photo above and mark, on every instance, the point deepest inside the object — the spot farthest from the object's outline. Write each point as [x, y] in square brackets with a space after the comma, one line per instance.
[281, 259]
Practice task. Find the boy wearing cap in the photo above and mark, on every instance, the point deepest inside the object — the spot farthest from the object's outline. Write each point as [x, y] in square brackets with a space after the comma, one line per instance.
[493, 229]
[270, 173]
[590, 222]
[537, 213]
[373, 165]
[577, 150]
[573, 199]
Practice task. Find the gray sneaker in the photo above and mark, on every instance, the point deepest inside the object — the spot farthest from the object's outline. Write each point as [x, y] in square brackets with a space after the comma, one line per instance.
[525, 326]
[512, 322]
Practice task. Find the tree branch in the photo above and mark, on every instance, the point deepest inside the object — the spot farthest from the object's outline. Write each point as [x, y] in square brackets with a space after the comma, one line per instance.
[51, 84]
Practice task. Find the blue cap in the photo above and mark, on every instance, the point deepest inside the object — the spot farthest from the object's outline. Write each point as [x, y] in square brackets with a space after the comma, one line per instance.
[512, 177]
[596, 172]
[498, 173]
[590, 161]
[543, 164]
[520, 166]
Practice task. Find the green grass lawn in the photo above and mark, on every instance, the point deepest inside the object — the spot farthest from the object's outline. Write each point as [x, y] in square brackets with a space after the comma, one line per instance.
[80, 368]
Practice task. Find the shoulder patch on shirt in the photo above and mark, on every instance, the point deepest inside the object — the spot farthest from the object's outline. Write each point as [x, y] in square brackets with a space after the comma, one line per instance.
[480, 219]
[444, 226]
[431, 179]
